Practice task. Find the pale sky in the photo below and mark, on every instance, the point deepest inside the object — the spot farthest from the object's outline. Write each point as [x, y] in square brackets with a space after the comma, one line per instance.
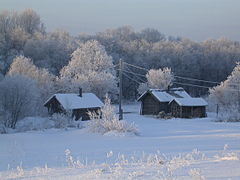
[195, 19]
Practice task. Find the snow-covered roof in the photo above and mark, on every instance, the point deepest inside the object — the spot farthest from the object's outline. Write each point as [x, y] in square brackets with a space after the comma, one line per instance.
[182, 93]
[74, 101]
[167, 95]
[190, 101]
[162, 96]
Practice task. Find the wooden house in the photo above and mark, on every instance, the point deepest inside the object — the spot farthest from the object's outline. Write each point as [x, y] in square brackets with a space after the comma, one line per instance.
[154, 101]
[188, 107]
[78, 104]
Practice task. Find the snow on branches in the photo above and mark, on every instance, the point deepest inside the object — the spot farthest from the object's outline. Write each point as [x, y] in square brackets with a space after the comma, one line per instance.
[106, 121]
[90, 68]
[157, 79]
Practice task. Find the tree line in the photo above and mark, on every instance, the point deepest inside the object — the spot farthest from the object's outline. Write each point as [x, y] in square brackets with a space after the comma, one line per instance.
[23, 33]
[50, 62]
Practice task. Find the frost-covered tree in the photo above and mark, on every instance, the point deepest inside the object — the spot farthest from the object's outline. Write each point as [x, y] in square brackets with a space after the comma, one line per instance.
[45, 81]
[160, 78]
[51, 51]
[90, 68]
[90, 56]
[157, 79]
[151, 35]
[30, 21]
[24, 66]
[226, 94]
[18, 98]
[99, 83]
[15, 30]
[22, 33]
[142, 88]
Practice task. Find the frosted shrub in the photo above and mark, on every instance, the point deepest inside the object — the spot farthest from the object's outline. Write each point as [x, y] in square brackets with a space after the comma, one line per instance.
[70, 161]
[20, 170]
[227, 155]
[196, 174]
[34, 123]
[229, 114]
[106, 120]
[61, 120]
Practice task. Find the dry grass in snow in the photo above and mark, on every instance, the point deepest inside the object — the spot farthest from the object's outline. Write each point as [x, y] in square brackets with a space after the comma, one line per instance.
[147, 166]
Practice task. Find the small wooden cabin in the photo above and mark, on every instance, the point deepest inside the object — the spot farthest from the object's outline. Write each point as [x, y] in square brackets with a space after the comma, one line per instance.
[188, 107]
[154, 101]
[79, 104]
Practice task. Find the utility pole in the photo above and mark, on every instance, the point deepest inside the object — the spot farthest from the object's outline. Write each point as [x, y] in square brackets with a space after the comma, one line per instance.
[120, 89]
[238, 98]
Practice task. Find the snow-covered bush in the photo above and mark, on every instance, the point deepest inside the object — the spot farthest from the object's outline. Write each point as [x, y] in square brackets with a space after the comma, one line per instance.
[106, 120]
[65, 120]
[70, 160]
[229, 114]
[227, 155]
[196, 174]
[163, 115]
[34, 123]
[61, 120]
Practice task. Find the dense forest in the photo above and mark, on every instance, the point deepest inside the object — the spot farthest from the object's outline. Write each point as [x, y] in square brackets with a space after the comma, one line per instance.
[23, 33]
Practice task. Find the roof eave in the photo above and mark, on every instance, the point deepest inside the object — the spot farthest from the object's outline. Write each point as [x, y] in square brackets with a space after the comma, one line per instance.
[144, 94]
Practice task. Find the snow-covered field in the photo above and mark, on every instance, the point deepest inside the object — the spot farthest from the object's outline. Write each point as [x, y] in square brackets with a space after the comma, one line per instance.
[165, 149]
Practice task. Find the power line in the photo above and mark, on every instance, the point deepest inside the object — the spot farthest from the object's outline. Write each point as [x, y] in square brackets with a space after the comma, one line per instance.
[131, 78]
[200, 80]
[206, 87]
[193, 79]
[193, 85]
[135, 75]
[180, 77]
[137, 66]
[143, 75]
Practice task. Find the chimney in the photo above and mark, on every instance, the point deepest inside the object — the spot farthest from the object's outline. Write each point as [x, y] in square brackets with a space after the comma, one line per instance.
[80, 92]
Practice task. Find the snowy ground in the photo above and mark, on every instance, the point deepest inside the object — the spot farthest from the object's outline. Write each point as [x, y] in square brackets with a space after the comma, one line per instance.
[165, 149]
